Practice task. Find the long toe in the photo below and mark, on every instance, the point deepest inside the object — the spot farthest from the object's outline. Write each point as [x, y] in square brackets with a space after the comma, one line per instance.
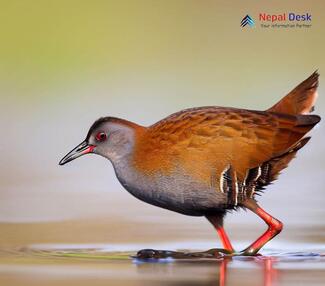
[247, 252]
[163, 254]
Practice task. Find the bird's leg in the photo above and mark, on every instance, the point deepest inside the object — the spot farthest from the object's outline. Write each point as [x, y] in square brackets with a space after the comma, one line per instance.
[217, 222]
[274, 228]
[225, 239]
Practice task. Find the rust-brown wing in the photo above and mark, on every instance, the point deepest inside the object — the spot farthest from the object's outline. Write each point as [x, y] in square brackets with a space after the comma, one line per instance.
[204, 141]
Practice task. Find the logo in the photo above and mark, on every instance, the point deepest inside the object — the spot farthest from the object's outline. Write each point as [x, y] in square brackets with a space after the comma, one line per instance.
[287, 20]
[247, 20]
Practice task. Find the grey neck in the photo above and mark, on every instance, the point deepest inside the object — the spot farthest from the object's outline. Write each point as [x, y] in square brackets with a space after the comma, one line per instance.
[135, 183]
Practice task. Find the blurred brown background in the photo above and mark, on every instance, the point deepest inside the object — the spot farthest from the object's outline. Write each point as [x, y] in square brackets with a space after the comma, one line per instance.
[63, 64]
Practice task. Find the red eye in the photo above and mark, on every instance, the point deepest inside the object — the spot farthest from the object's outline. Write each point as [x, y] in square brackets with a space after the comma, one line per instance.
[101, 136]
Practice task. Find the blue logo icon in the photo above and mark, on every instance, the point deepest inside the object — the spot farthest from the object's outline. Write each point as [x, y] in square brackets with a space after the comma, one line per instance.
[247, 20]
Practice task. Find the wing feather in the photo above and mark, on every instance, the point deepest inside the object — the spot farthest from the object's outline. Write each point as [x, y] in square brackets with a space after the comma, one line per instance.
[211, 138]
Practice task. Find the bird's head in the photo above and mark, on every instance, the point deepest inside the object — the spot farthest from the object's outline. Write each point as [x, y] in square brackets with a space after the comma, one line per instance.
[110, 137]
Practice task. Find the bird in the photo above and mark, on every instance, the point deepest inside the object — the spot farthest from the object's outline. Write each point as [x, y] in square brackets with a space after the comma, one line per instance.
[208, 161]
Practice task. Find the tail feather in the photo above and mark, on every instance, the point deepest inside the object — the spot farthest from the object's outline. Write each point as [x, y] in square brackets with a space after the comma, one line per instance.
[271, 169]
[299, 102]
[307, 120]
[281, 162]
[301, 99]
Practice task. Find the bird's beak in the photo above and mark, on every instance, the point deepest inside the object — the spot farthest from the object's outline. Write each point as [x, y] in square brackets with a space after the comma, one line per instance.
[82, 149]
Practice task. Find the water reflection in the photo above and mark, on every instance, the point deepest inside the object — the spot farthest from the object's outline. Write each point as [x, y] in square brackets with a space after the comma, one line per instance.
[98, 266]
[277, 269]
[226, 271]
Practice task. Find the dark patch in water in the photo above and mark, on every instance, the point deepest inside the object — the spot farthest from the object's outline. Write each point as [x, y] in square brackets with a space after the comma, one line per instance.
[163, 254]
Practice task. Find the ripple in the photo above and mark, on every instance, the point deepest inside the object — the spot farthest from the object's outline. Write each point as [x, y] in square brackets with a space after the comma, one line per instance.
[286, 257]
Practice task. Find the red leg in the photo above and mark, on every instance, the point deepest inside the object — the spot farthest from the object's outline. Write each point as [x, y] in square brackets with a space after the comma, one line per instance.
[224, 239]
[216, 221]
[274, 227]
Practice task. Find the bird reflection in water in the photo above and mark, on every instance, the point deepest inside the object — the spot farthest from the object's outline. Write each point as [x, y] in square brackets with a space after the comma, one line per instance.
[240, 270]
[263, 267]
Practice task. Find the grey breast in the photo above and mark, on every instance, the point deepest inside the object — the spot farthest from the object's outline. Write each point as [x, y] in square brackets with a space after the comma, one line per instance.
[178, 191]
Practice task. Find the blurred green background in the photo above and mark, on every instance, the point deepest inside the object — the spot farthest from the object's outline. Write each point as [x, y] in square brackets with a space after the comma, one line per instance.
[63, 64]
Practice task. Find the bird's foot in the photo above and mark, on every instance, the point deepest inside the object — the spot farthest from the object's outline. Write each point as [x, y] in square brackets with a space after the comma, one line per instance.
[247, 252]
[163, 254]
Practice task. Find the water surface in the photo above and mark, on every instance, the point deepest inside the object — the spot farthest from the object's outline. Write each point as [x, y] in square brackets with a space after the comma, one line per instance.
[58, 264]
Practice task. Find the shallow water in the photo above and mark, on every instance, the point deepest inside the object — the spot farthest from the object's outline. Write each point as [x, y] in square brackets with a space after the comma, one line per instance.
[55, 264]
